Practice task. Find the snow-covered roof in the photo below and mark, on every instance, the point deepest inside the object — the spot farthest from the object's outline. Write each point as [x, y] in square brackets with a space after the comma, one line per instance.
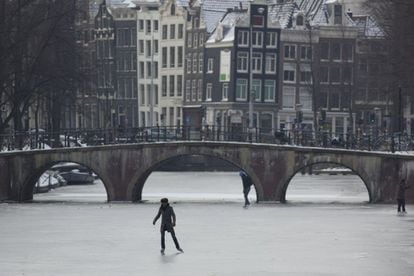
[367, 26]
[225, 30]
[212, 11]
[282, 13]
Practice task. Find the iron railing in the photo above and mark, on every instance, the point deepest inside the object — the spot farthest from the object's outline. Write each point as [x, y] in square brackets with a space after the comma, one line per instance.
[83, 137]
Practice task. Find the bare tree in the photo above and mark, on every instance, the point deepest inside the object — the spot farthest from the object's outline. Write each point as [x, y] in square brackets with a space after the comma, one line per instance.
[38, 56]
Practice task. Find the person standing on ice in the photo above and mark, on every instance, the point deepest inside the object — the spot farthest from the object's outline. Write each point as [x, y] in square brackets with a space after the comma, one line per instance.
[401, 196]
[166, 212]
[247, 183]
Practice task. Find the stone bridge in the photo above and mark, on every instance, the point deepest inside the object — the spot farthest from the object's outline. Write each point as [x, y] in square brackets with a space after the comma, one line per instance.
[125, 168]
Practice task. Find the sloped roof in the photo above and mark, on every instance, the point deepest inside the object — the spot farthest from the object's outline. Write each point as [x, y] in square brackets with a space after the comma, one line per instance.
[226, 26]
[282, 13]
[212, 11]
[368, 27]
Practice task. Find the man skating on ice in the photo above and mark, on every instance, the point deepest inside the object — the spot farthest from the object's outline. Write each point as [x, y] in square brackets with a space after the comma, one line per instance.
[247, 183]
[167, 223]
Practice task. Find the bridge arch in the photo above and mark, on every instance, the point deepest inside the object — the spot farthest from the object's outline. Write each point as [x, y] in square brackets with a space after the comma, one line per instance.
[360, 173]
[32, 177]
[139, 180]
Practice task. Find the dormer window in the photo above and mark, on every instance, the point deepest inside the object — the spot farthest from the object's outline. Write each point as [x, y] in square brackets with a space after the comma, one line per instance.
[299, 20]
[258, 20]
[337, 14]
[172, 9]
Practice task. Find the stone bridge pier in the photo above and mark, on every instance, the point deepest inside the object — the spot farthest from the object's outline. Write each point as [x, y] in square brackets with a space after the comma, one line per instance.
[124, 169]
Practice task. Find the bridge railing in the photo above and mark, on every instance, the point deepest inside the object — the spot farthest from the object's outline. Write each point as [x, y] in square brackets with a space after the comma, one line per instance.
[89, 137]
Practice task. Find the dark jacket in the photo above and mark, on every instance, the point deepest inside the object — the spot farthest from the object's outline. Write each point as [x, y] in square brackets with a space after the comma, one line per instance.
[167, 218]
[401, 191]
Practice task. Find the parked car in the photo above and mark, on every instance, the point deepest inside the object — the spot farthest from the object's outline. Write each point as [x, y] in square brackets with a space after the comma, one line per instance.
[75, 173]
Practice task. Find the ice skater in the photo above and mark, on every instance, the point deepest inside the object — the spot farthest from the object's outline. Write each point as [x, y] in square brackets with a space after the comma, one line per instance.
[247, 183]
[401, 196]
[167, 223]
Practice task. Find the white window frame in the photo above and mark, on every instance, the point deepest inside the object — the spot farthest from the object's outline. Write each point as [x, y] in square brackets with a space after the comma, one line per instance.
[305, 98]
[225, 91]
[209, 90]
[269, 90]
[271, 40]
[270, 63]
[257, 39]
[288, 50]
[242, 62]
[210, 65]
[243, 39]
[257, 87]
[257, 63]
[241, 84]
[289, 93]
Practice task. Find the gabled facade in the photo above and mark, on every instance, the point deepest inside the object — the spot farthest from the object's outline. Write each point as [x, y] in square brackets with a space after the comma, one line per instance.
[241, 58]
[196, 35]
[173, 21]
[105, 62]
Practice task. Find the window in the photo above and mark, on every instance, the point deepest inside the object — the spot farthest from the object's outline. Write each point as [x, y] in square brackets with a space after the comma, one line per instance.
[210, 64]
[179, 85]
[334, 100]
[347, 74]
[347, 54]
[200, 89]
[149, 71]
[200, 63]
[289, 72]
[172, 86]
[271, 40]
[243, 38]
[172, 31]
[164, 57]
[290, 51]
[305, 52]
[155, 25]
[363, 66]
[225, 92]
[195, 65]
[270, 66]
[269, 90]
[172, 9]
[164, 86]
[180, 31]
[194, 91]
[288, 97]
[180, 57]
[305, 98]
[242, 61]
[299, 20]
[195, 37]
[201, 39]
[155, 47]
[258, 20]
[257, 63]
[148, 48]
[142, 94]
[335, 74]
[305, 74]
[142, 70]
[148, 23]
[209, 88]
[172, 57]
[164, 31]
[336, 51]
[339, 125]
[141, 46]
[190, 40]
[241, 89]
[257, 39]
[323, 99]
[187, 90]
[324, 74]
[141, 25]
[257, 88]
[189, 64]
[155, 69]
[337, 14]
[325, 51]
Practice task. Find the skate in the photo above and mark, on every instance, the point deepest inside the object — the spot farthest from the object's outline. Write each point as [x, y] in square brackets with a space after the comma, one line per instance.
[181, 250]
[162, 251]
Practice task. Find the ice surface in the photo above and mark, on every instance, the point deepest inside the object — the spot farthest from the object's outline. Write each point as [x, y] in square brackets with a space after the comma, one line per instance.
[219, 237]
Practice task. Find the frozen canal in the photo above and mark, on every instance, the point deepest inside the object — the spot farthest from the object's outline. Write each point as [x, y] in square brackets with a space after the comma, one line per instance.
[325, 229]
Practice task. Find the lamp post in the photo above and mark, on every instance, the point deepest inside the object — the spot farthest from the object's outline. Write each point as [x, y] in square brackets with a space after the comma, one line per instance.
[251, 94]
[400, 109]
